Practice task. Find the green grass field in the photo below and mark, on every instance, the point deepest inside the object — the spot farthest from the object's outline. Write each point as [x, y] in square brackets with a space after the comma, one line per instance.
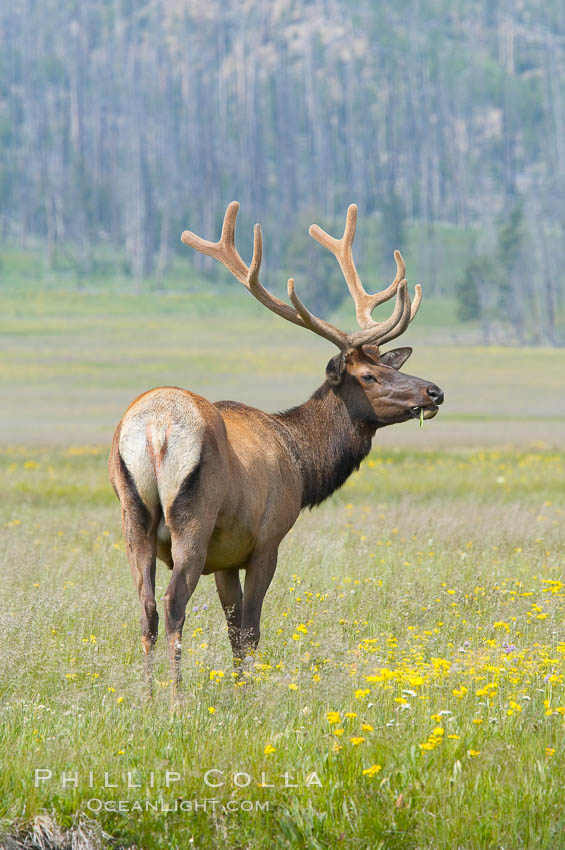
[410, 676]
[71, 362]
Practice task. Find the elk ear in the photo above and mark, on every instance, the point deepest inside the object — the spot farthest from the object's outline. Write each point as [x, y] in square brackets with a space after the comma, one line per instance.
[395, 358]
[335, 370]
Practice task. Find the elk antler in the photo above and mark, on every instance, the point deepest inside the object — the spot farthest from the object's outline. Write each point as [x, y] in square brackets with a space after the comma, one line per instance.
[372, 332]
[365, 303]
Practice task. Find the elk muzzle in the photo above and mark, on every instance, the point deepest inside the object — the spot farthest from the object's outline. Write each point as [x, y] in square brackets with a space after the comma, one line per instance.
[430, 407]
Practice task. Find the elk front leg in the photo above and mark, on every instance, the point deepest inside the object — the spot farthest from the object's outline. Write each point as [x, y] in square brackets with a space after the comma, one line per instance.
[229, 591]
[260, 569]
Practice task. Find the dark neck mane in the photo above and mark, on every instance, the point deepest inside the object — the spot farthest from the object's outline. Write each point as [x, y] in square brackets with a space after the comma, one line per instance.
[327, 444]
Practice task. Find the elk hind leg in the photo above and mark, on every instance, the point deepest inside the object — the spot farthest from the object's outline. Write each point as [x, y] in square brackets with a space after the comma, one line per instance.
[189, 557]
[140, 535]
[191, 522]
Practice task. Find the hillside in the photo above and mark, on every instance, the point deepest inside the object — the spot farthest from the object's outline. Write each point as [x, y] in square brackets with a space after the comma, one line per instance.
[121, 123]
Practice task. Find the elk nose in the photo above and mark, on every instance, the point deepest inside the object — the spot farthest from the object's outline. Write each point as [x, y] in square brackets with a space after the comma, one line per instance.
[435, 394]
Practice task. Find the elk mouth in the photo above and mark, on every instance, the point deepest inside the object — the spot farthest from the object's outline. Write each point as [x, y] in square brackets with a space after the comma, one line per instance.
[428, 411]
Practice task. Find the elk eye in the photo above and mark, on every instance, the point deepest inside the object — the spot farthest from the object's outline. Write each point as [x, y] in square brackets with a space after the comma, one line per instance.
[368, 378]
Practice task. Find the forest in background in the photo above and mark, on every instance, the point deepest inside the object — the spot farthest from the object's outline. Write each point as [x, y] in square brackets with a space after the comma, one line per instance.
[122, 122]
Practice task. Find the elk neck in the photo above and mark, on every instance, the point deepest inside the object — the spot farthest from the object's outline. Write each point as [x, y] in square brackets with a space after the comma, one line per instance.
[327, 442]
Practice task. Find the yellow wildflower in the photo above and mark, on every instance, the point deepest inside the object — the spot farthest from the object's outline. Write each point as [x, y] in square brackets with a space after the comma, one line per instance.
[360, 693]
[373, 770]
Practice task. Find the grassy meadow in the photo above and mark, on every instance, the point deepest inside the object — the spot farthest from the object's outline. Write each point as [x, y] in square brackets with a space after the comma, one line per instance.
[408, 692]
[70, 363]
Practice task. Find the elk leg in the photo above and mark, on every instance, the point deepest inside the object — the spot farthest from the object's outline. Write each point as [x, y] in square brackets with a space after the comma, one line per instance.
[229, 591]
[141, 554]
[260, 569]
[189, 557]
[191, 518]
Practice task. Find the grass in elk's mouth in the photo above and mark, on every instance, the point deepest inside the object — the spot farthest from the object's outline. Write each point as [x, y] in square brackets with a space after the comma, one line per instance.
[421, 416]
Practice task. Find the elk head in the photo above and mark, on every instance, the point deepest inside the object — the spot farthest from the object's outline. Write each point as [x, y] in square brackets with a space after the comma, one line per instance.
[369, 381]
[377, 392]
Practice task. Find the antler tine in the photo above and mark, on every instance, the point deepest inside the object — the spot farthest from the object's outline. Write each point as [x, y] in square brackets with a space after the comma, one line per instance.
[224, 249]
[416, 302]
[381, 297]
[227, 242]
[379, 330]
[406, 318]
[257, 289]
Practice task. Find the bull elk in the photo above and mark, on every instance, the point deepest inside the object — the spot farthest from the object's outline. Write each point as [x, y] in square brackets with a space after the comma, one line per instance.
[214, 488]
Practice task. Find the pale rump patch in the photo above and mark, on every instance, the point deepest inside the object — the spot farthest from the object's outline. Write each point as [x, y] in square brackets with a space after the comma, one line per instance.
[160, 443]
